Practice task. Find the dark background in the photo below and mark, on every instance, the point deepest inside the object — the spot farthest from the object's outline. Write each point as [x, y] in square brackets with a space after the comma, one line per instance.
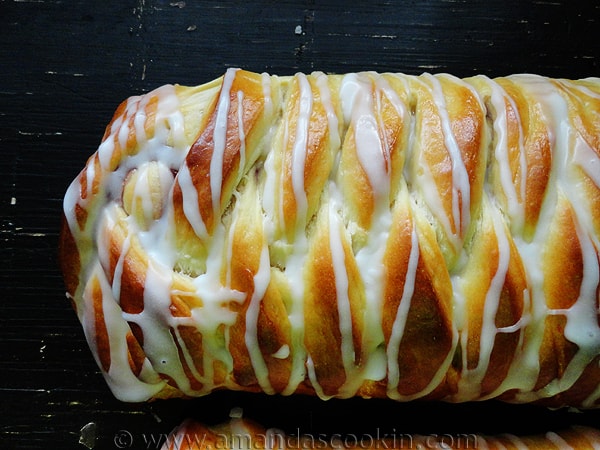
[64, 68]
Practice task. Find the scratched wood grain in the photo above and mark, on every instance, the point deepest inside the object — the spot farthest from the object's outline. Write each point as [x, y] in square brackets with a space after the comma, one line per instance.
[64, 68]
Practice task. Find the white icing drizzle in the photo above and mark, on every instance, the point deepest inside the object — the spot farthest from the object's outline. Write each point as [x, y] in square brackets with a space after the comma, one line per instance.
[156, 323]
[515, 195]
[343, 300]
[261, 282]
[214, 311]
[118, 275]
[268, 196]
[295, 262]
[266, 85]
[281, 179]
[558, 441]
[107, 222]
[370, 257]
[582, 326]
[314, 382]
[272, 202]
[191, 208]
[393, 347]
[471, 379]
[123, 382]
[585, 90]
[587, 159]
[300, 148]
[220, 141]
[593, 398]
[327, 102]
[107, 147]
[294, 271]
[525, 368]
[460, 177]
[517, 442]
[374, 157]
[386, 89]
[90, 174]
[374, 152]
[241, 133]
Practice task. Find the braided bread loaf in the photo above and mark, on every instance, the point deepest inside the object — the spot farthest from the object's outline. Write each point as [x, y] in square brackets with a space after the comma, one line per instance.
[376, 235]
[241, 433]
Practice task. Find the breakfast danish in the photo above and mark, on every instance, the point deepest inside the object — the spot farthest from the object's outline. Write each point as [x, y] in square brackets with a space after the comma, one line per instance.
[374, 235]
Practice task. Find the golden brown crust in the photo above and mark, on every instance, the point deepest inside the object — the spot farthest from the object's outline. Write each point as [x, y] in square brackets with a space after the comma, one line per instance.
[241, 433]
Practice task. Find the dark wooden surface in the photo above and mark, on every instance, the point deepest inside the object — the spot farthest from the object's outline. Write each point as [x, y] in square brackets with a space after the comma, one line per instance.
[66, 65]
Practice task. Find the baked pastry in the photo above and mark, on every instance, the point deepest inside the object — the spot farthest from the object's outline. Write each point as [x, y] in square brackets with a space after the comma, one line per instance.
[375, 235]
[241, 433]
